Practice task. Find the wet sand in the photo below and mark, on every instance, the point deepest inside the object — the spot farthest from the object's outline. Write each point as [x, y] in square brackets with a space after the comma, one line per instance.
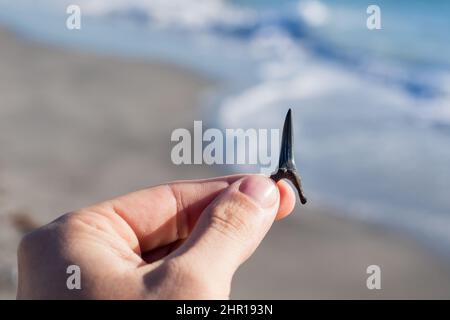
[77, 128]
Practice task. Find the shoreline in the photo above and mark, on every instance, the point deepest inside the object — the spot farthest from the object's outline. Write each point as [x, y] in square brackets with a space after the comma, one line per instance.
[78, 128]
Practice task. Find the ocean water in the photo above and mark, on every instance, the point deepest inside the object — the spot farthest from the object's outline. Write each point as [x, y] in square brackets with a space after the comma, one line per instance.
[371, 107]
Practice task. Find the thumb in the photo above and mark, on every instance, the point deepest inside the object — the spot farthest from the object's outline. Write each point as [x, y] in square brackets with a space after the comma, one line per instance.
[231, 227]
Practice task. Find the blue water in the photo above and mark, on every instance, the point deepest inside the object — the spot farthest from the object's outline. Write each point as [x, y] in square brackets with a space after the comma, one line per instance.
[371, 108]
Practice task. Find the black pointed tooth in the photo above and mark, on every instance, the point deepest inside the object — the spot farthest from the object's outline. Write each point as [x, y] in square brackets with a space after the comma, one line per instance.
[286, 155]
[286, 164]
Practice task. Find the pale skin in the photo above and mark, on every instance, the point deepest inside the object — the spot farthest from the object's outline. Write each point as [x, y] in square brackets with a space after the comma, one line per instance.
[182, 240]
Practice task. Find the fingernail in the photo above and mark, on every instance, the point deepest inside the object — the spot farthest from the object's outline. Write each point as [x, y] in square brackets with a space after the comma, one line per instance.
[261, 189]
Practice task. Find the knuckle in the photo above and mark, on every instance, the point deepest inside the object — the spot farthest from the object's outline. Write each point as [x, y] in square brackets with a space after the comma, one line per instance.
[233, 218]
[223, 222]
[45, 235]
[26, 244]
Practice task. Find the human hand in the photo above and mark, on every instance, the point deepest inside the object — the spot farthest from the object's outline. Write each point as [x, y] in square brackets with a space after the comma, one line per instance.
[182, 240]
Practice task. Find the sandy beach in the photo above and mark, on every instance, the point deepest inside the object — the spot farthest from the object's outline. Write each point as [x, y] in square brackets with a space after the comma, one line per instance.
[77, 128]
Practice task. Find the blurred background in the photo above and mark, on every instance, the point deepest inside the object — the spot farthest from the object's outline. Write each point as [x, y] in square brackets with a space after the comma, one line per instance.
[87, 114]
